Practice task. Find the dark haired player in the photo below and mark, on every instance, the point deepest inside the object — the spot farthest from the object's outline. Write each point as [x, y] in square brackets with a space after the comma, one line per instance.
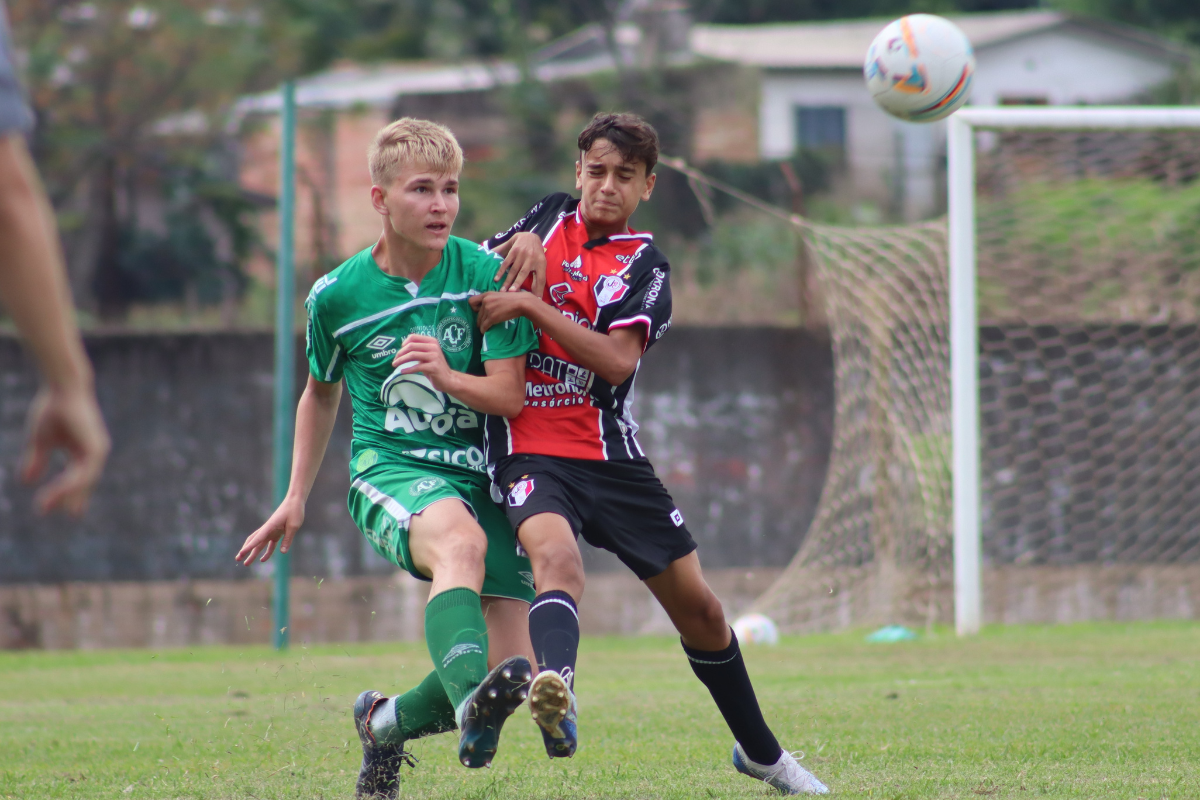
[570, 463]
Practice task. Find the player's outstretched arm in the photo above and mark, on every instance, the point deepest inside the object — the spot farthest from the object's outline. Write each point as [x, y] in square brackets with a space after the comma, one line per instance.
[523, 256]
[315, 416]
[613, 355]
[501, 392]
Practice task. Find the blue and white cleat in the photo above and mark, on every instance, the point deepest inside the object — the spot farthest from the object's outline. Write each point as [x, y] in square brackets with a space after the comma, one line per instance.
[785, 774]
[553, 705]
[379, 775]
[484, 711]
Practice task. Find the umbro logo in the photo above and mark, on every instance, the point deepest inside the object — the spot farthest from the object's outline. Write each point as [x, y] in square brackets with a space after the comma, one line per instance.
[381, 342]
[460, 650]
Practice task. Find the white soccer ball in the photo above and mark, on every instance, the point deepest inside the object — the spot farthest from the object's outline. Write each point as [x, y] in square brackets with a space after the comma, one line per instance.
[756, 629]
[413, 390]
[919, 68]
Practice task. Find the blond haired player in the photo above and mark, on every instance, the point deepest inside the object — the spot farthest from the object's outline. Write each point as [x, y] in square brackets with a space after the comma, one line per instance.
[394, 323]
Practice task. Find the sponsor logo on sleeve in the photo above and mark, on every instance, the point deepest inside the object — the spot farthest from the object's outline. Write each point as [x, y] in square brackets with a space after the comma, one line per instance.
[520, 492]
[666, 326]
[610, 289]
[559, 292]
[677, 518]
[656, 285]
[323, 283]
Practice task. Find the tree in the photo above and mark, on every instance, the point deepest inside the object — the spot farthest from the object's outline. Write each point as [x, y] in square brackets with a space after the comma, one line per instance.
[122, 90]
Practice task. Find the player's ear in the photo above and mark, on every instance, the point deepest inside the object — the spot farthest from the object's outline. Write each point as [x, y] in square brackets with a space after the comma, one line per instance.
[649, 185]
[579, 175]
[378, 200]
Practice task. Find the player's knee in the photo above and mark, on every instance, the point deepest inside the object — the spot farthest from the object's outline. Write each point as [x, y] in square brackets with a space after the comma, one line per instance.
[561, 567]
[465, 545]
[708, 615]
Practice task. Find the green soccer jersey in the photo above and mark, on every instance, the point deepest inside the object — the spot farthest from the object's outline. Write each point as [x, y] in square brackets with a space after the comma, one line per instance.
[358, 316]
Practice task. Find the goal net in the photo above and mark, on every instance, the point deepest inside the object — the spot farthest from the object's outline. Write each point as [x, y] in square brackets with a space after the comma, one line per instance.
[879, 549]
[1079, 489]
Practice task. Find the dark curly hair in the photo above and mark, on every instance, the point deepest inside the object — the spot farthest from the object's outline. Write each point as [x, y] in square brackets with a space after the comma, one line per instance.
[633, 137]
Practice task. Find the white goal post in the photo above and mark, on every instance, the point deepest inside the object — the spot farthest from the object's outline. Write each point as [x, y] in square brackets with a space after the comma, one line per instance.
[964, 324]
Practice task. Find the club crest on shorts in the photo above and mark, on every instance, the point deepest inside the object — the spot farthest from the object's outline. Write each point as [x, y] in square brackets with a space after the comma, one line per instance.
[520, 493]
[610, 289]
[425, 485]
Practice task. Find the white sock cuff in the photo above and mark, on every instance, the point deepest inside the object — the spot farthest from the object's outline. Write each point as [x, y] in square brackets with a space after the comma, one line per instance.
[539, 603]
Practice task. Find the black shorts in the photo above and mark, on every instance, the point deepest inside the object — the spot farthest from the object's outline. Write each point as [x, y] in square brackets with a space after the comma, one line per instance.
[619, 506]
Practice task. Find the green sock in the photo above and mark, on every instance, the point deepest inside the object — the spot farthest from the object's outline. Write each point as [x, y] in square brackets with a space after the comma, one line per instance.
[456, 634]
[421, 711]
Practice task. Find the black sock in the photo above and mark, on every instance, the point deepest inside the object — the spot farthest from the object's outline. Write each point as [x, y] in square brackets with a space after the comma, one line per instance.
[724, 673]
[554, 631]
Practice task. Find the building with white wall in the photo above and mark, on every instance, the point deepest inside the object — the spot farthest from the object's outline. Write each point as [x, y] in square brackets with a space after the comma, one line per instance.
[812, 92]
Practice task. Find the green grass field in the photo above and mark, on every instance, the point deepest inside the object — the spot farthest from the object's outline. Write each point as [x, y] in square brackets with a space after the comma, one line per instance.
[1094, 711]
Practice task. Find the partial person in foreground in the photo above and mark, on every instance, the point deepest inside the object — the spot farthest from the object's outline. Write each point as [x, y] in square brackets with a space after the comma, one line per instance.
[33, 289]
[393, 322]
[570, 463]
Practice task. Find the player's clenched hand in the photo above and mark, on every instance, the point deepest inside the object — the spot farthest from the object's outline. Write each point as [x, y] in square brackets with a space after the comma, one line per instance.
[284, 523]
[494, 308]
[523, 256]
[429, 359]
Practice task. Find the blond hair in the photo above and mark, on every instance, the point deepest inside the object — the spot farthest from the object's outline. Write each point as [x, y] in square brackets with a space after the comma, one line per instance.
[413, 141]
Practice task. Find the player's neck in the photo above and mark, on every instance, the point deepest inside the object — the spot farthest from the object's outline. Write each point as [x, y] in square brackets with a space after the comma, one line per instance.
[601, 231]
[402, 258]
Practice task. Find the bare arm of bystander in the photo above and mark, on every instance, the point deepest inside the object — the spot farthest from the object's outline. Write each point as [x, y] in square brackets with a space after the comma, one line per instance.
[33, 288]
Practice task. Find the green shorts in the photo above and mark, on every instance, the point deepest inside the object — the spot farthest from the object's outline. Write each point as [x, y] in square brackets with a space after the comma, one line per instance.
[385, 496]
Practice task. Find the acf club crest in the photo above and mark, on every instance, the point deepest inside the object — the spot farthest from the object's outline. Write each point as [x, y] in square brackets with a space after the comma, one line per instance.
[454, 334]
[610, 289]
[520, 492]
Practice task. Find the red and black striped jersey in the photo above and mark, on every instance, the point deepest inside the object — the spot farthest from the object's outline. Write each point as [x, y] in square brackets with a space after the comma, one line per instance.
[602, 284]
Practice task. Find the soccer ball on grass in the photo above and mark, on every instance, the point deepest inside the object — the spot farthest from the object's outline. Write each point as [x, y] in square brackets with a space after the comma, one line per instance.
[756, 629]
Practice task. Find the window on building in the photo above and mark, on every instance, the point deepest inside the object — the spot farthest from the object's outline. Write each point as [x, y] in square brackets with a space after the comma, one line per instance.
[822, 129]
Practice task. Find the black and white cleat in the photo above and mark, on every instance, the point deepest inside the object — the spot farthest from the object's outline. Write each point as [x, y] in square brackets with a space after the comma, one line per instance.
[379, 775]
[493, 701]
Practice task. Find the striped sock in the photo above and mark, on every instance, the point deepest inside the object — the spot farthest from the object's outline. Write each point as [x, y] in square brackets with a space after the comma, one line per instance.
[554, 631]
[724, 673]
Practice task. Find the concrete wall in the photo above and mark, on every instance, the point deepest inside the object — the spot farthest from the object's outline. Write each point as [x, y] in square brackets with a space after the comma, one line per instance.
[738, 423]
[359, 609]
